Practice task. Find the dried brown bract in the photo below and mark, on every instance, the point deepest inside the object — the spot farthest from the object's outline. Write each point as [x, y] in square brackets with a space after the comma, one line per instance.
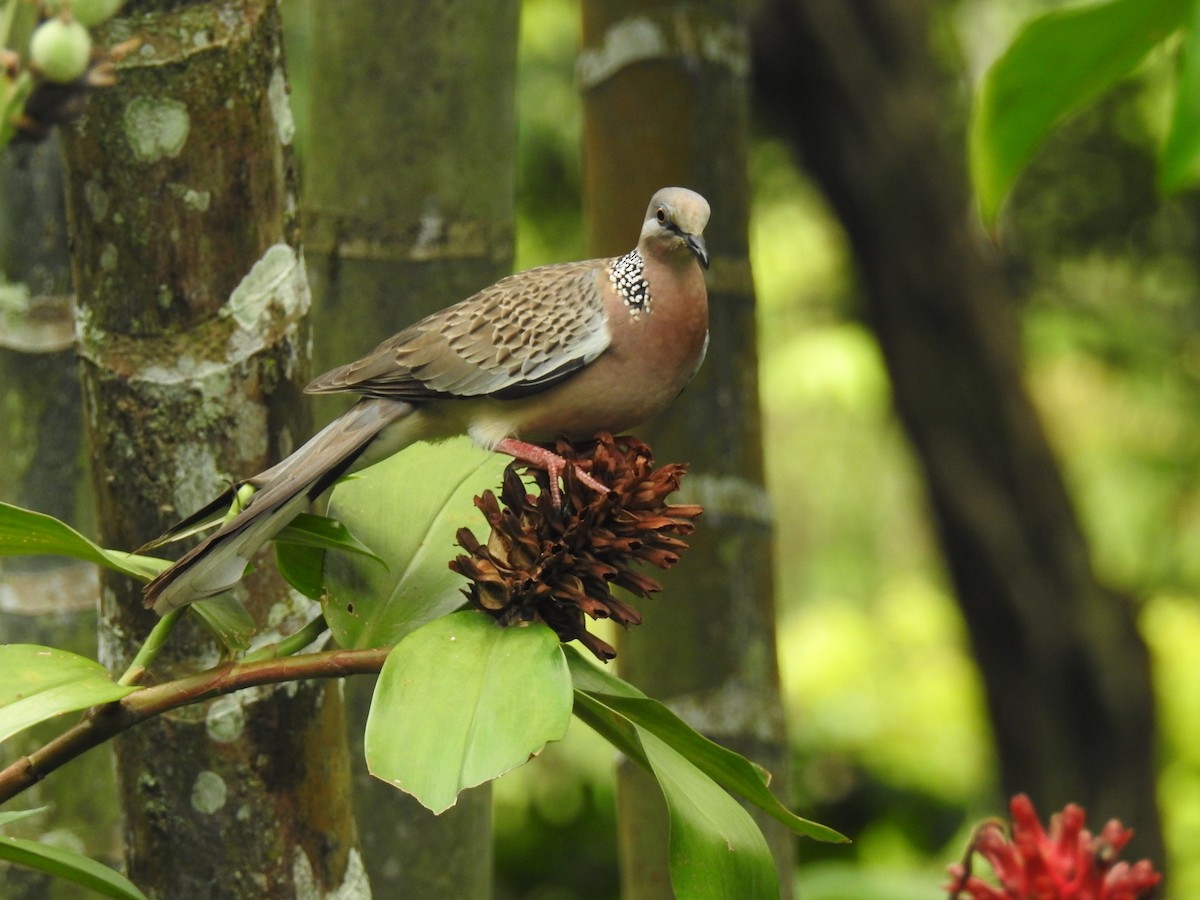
[556, 565]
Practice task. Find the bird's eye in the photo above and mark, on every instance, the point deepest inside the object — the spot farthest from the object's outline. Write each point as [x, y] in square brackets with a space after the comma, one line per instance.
[661, 215]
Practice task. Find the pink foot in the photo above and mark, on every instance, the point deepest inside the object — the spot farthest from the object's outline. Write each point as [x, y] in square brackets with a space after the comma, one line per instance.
[551, 462]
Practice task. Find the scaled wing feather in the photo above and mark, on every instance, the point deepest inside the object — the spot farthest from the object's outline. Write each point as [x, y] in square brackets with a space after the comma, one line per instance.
[514, 338]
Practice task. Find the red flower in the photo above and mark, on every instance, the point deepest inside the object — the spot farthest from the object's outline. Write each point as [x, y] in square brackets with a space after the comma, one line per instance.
[1065, 864]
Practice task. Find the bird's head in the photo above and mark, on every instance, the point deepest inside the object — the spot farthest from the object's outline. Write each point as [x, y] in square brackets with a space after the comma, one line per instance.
[675, 222]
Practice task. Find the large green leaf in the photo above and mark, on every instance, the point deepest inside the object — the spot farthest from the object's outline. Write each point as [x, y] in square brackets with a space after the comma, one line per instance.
[407, 509]
[1059, 62]
[69, 865]
[1179, 165]
[461, 701]
[24, 532]
[38, 683]
[728, 769]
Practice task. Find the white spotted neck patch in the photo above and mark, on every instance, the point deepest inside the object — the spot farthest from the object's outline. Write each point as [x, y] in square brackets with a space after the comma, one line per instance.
[628, 279]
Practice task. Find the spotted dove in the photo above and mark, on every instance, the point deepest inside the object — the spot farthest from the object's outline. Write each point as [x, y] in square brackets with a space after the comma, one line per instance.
[561, 350]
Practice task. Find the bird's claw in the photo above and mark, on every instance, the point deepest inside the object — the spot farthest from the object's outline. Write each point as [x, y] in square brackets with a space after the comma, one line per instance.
[554, 465]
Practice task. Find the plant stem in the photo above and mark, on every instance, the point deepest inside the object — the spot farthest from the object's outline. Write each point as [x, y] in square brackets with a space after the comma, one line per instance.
[7, 14]
[149, 651]
[291, 644]
[103, 722]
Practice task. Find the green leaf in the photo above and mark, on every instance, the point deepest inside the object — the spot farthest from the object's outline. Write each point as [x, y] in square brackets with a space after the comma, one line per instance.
[461, 701]
[730, 770]
[588, 676]
[1179, 162]
[7, 818]
[407, 509]
[324, 533]
[610, 725]
[227, 620]
[69, 865]
[24, 532]
[38, 683]
[1058, 63]
[716, 849]
[302, 567]
[300, 551]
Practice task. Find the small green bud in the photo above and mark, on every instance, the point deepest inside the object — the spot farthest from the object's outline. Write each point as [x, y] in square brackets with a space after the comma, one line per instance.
[243, 497]
[60, 49]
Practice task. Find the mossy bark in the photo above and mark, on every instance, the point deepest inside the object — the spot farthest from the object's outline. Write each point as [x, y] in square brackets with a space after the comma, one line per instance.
[193, 342]
[665, 103]
[408, 207]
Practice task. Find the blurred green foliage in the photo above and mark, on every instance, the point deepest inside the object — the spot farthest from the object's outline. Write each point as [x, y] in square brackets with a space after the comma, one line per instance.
[1111, 276]
[1056, 64]
[884, 706]
[549, 134]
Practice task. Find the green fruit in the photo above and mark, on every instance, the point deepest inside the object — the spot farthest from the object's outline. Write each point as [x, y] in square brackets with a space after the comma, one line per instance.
[94, 12]
[60, 49]
[90, 12]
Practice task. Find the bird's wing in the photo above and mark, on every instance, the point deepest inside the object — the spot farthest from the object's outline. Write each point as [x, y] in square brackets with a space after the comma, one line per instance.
[517, 337]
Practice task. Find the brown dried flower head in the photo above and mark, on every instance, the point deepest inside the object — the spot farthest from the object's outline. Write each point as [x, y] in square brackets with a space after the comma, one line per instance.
[556, 565]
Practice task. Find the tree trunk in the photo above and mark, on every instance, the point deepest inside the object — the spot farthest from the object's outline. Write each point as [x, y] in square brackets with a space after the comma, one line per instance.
[42, 425]
[409, 206]
[192, 323]
[854, 88]
[665, 103]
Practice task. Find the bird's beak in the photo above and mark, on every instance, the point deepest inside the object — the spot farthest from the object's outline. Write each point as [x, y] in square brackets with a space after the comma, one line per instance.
[696, 244]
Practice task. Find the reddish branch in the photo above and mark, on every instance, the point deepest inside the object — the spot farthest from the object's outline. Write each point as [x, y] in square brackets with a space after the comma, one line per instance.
[101, 723]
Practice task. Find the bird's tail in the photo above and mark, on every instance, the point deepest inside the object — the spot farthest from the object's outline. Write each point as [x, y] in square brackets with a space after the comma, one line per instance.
[218, 562]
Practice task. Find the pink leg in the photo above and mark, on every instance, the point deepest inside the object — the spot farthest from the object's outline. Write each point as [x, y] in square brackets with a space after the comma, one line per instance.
[551, 462]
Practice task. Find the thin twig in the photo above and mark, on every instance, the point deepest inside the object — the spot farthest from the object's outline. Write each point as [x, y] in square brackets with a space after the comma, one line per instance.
[101, 723]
